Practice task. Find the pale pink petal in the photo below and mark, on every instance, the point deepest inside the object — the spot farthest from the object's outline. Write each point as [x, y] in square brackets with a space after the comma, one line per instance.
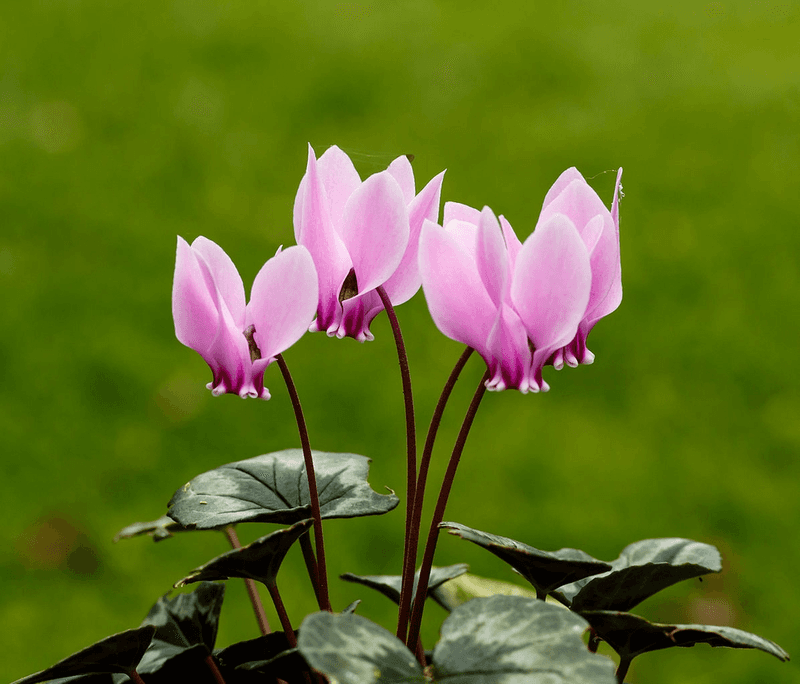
[340, 179]
[375, 230]
[314, 230]
[400, 169]
[492, 257]
[512, 242]
[466, 234]
[459, 304]
[226, 278]
[562, 182]
[405, 281]
[283, 300]
[194, 308]
[614, 296]
[551, 284]
[454, 211]
[580, 203]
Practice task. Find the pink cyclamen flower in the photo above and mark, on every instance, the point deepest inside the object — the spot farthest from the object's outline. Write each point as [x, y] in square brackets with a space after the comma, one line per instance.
[521, 305]
[361, 234]
[237, 340]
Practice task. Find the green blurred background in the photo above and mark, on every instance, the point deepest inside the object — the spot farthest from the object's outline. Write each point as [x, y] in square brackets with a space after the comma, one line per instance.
[124, 124]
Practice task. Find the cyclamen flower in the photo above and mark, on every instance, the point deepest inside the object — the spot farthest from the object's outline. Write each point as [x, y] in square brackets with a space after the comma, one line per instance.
[361, 234]
[523, 305]
[237, 340]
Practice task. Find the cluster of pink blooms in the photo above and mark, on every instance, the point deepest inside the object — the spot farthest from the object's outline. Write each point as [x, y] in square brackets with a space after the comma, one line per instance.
[520, 305]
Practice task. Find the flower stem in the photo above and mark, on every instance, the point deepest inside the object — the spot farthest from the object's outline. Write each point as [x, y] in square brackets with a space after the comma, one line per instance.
[284, 618]
[311, 563]
[214, 670]
[252, 589]
[409, 560]
[438, 514]
[412, 540]
[622, 669]
[136, 677]
[322, 573]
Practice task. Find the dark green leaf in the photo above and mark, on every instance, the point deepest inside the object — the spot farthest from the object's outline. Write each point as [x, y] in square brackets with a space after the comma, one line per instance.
[274, 488]
[252, 660]
[185, 623]
[117, 653]
[259, 561]
[160, 529]
[514, 640]
[642, 569]
[349, 649]
[545, 570]
[630, 635]
[390, 585]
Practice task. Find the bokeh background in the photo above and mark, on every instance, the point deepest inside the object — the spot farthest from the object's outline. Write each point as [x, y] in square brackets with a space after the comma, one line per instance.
[125, 124]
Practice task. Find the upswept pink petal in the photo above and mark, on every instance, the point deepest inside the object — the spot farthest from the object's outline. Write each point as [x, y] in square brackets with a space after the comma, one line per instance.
[510, 355]
[226, 278]
[340, 179]
[193, 306]
[614, 297]
[455, 211]
[562, 182]
[400, 169]
[405, 281]
[466, 235]
[492, 257]
[550, 287]
[375, 230]
[283, 301]
[580, 203]
[314, 230]
[512, 242]
[457, 300]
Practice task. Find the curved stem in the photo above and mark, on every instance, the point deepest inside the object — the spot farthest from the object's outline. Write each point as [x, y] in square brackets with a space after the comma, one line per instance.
[322, 573]
[284, 618]
[412, 539]
[438, 514]
[409, 560]
[214, 670]
[252, 589]
[311, 563]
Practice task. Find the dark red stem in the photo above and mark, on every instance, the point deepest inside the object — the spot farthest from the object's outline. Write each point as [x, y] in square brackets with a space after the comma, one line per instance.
[412, 540]
[252, 588]
[214, 670]
[411, 450]
[284, 618]
[322, 573]
[438, 514]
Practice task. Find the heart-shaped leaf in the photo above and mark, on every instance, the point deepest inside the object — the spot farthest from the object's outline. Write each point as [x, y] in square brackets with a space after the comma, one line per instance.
[117, 653]
[545, 570]
[160, 529]
[349, 649]
[630, 635]
[259, 561]
[390, 585]
[467, 587]
[642, 569]
[184, 623]
[273, 488]
[514, 640]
